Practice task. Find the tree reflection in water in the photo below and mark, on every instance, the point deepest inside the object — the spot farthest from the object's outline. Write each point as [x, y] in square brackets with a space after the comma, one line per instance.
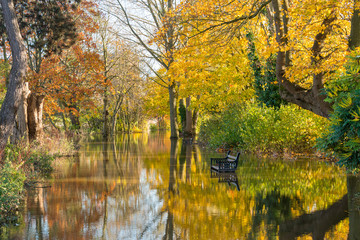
[148, 187]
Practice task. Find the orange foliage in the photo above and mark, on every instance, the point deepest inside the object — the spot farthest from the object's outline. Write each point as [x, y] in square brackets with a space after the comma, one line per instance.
[72, 78]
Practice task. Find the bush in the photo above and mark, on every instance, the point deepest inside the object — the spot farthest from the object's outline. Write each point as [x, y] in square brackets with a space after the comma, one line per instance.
[343, 136]
[21, 165]
[41, 163]
[11, 187]
[254, 128]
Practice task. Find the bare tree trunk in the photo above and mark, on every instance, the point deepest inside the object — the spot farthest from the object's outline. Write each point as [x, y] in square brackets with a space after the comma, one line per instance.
[113, 127]
[17, 87]
[173, 113]
[21, 130]
[35, 115]
[105, 131]
[105, 116]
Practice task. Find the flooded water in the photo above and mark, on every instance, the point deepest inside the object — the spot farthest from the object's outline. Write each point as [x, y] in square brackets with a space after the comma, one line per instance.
[145, 186]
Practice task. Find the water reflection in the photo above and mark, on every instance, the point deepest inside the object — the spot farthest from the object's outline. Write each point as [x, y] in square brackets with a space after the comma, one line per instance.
[353, 186]
[316, 224]
[226, 177]
[150, 187]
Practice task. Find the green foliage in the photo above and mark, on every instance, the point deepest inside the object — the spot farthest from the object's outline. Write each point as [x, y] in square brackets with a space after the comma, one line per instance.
[265, 84]
[343, 135]
[182, 113]
[95, 124]
[42, 163]
[11, 186]
[20, 165]
[255, 128]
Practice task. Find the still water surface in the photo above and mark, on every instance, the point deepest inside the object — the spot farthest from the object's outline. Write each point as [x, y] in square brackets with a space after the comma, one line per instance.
[145, 186]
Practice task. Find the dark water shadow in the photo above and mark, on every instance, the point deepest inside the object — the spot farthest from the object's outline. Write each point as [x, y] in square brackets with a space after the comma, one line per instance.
[318, 223]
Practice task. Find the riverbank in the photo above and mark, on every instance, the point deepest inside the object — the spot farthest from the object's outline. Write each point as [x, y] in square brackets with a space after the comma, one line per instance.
[24, 166]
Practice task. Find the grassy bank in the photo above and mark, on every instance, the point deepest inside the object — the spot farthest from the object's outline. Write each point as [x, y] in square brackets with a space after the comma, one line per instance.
[23, 166]
[263, 130]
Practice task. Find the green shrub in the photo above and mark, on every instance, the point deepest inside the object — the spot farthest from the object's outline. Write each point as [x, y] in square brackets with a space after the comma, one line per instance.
[343, 136]
[11, 188]
[21, 165]
[41, 163]
[254, 128]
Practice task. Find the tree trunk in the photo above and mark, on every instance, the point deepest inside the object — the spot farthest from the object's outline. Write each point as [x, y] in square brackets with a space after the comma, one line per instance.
[189, 119]
[17, 87]
[312, 98]
[113, 127]
[35, 115]
[195, 117]
[173, 113]
[74, 117]
[64, 121]
[354, 39]
[21, 130]
[105, 131]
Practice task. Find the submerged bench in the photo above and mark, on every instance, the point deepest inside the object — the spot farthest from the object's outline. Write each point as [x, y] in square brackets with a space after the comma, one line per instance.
[226, 164]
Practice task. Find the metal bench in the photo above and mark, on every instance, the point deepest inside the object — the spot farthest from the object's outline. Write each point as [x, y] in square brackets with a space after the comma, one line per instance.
[226, 164]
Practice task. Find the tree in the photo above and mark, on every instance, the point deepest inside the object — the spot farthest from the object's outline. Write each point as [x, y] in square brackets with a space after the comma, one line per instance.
[311, 39]
[158, 19]
[52, 29]
[68, 24]
[122, 80]
[320, 54]
[17, 87]
[214, 75]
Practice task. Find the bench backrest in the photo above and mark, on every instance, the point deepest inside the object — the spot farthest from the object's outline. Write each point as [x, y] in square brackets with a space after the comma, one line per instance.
[233, 158]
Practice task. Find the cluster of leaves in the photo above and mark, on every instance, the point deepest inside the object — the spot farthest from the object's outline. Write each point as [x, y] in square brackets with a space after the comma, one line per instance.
[218, 75]
[264, 129]
[47, 25]
[69, 79]
[343, 135]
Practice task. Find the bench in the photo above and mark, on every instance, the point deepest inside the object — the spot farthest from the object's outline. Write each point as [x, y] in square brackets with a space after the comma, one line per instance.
[226, 164]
